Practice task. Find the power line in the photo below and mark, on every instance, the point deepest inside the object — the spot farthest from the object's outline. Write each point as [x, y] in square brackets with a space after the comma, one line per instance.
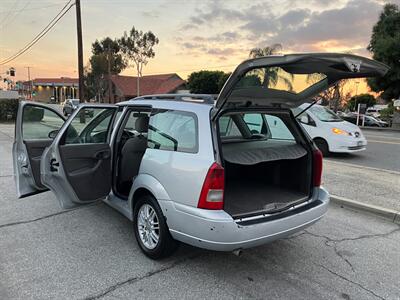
[28, 9]
[10, 12]
[49, 26]
[17, 12]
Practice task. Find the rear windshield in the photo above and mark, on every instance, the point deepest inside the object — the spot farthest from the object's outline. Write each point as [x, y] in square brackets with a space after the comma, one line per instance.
[276, 78]
[253, 126]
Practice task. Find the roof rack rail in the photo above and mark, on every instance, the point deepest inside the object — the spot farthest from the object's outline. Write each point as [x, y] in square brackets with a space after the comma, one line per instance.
[199, 98]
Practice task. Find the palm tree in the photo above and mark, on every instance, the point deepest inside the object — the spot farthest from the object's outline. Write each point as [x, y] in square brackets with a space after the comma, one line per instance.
[271, 75]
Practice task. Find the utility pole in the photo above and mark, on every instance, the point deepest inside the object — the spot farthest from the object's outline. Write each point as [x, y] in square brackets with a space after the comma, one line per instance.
[30, 83]
[355, 103]
[109, 74]
[80, 50]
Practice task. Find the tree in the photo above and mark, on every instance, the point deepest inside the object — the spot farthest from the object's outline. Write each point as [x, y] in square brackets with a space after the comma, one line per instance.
[106, 60]
[363, 98]
[249, 80]
[270, 76]
[206, 82]
[137, 47]
[385, 47]
[334, 97]
[222, 80]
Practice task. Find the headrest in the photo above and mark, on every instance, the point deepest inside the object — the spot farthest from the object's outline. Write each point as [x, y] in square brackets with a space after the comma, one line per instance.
[142, 123]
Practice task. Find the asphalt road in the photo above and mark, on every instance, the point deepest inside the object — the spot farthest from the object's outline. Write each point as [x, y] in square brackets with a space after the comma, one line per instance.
[91, 253]
[383, 151]
[371, 176]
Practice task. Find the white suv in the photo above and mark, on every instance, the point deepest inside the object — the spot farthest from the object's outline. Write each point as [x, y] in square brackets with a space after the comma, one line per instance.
[225, 176]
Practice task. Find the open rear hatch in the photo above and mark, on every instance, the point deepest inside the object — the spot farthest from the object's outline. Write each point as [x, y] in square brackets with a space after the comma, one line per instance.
[269, 162]
[291, 80]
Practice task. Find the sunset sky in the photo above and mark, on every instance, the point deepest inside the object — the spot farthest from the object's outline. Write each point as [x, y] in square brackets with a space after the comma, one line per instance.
[193, 35]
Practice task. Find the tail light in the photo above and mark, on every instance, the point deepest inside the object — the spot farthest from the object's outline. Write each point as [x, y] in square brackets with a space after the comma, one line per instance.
[212, 193]
[317, 167]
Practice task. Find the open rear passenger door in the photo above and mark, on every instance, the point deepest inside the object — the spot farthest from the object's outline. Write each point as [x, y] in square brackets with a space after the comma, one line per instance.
[77, 165]
[35, 128]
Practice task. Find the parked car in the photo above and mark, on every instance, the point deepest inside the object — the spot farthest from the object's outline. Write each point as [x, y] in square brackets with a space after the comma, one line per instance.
[226, 176]
[369, 120]
[70, 105]
[329, 131]
[374, 122]
[375, 110]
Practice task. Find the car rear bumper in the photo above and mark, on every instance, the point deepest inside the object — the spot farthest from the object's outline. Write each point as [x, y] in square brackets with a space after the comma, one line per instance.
[216, 230]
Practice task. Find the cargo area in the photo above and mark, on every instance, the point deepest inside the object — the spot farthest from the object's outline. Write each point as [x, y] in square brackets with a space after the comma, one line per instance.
[264, 174]
[266, 187]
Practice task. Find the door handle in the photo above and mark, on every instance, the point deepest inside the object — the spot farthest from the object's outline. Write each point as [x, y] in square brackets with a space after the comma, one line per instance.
[54, 165]
[102, 155]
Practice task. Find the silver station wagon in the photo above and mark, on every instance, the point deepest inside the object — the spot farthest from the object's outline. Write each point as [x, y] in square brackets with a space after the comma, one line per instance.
[223, 175]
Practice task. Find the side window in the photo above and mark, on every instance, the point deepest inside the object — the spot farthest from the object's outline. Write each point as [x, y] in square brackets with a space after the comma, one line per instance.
[38, 122]
[255, 123]
[305, 118]
[173, 131]
[228, 128]
[89, 126]
[278, 128]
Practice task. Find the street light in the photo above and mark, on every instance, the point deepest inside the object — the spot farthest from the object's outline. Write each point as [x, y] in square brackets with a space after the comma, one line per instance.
[355, 101]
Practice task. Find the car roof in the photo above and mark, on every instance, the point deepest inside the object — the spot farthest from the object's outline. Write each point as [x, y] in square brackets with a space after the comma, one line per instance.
[174, 101]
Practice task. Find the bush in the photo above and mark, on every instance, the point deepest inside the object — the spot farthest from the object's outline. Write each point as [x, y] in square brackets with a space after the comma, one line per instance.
[8, 109]
[367, 99]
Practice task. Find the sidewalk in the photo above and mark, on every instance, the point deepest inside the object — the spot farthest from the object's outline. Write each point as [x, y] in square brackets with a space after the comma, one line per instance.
[363, 184]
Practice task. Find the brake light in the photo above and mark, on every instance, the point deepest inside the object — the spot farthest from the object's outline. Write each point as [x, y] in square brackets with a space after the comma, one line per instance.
[212, 192]
[317, 167]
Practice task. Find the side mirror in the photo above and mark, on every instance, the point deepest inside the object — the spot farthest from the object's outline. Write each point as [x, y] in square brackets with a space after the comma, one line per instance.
[304, 119]
[52, 134]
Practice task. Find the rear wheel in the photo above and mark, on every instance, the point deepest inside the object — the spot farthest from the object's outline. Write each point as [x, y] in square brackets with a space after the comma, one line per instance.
[151, 230]
[322, 146]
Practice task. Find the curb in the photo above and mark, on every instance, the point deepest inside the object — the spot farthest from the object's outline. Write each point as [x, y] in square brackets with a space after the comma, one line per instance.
[389, 214]
[380, 128]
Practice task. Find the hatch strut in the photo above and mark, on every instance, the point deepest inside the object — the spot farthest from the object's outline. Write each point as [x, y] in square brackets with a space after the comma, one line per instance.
[307, 108]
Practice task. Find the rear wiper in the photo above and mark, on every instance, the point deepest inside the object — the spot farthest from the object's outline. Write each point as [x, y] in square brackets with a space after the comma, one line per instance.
[307, 108]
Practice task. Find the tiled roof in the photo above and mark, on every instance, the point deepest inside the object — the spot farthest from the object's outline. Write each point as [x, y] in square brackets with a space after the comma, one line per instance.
[151, 84]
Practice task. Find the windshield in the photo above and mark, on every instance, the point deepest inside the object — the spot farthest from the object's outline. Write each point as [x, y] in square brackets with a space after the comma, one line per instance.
[75, 102]
[324, 114]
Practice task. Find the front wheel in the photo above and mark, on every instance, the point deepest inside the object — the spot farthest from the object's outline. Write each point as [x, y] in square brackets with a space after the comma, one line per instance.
[151, 230]
[322, 146]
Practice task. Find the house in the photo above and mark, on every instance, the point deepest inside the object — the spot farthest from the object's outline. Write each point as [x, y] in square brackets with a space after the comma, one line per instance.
[51, 89]
[125, 87]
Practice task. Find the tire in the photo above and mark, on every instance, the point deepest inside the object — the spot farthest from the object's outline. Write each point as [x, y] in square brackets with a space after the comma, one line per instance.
[322, 146]
[65, 113]
[165, 244]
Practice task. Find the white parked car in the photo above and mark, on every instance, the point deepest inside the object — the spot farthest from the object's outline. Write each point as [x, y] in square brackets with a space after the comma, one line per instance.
[329, 132]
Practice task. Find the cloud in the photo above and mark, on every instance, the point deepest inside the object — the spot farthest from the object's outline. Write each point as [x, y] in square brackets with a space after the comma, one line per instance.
[315, 26]
[151, 14]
